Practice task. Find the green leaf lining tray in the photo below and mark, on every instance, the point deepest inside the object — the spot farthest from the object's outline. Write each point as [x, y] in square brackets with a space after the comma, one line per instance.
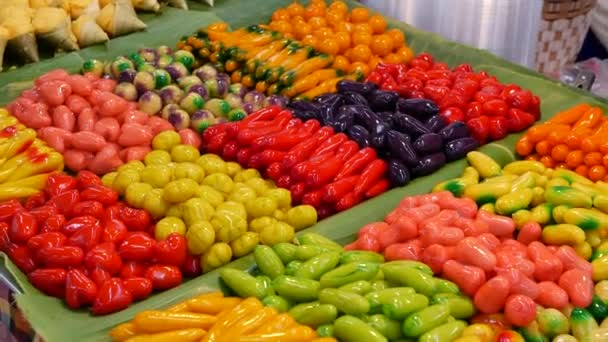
[55, 322]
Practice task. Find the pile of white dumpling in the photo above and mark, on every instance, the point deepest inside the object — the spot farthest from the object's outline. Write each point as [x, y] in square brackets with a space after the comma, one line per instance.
[68, 25]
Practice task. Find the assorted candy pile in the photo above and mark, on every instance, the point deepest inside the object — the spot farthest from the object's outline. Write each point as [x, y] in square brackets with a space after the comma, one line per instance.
[76, 241]
[25, 161]
[353, 295]
[357, 39]
[198, 170]
[81, 117]
[574, 139]
[211, 317]
[220, 209]
[320, 168]
[267, 61]
[164, 83]
[408, 133]
[490, 109]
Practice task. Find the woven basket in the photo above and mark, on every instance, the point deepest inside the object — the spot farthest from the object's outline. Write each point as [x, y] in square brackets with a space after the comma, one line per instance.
[563, 28]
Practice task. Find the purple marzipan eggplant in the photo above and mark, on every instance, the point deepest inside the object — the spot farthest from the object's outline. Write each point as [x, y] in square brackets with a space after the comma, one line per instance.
[352, 98]
[398, 173]
[359, 134]
[418, 108]
[410, 125]
[364, 89]
[382, 100]
[455, 130]
[458, 148]
[429, 164]
[435, 123]
[401, 147]
[428, 143]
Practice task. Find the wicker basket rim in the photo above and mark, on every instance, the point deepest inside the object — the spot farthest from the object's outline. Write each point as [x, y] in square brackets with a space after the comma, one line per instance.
[566, 9]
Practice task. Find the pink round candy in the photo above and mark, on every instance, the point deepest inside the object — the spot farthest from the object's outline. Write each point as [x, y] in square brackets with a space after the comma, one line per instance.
[407, 228]
[579, 286]
[529, 232]
[411, 250]
[520, 310]
[550, 295]
[470, 251]
[81, 85]
[64, 118]
[188, 136]
[468, 278]
[53, 75]
[491, 297]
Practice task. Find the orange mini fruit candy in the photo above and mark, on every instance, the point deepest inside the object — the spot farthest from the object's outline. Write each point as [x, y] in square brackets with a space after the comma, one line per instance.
[547, 161]
[317, 22]
[343, 39]
[596, 173]
[323, 33]
[582, 170]
[314, 10]
[377, 23]
[533, 157]
[393, 58]
[310, 40]
[361, 38]
[588, 145]
[560, 152]
[339, 6]
[397, 36]
[374, 61]
[543, 148]
[362, 27]
[574, 159]
[593, 158]
[361, 53]
[605, 160]
[329, 46]
[359, 15]
[359, 66]
[381, 44]
[405, 53]
[280, 14]
[524, 147]
[573, 140]
[301, 30]
[341, 63]
[295, 9]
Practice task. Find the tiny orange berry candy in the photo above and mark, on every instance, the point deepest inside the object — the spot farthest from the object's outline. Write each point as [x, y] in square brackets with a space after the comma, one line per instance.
[397, 36]
[593, 158]
[377, 23]
[574, 159]
[295, 9]
[582, 170]
[329, 46]
[338, 6]
[547, 161]
[560, 152]
[280, 14]
[359, 15]
[597, 172]
[359, 67]
[361, 38]
[361, 53]
[381, 44]
[543, 148]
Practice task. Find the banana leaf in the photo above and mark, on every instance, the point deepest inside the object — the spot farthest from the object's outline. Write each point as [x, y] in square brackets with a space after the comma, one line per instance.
[55, 322]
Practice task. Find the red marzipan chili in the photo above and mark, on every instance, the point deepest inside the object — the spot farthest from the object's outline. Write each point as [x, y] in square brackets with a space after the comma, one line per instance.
[297, 192]
[304, 149]
[331, 144]
[287, 139]
[274, 170]
[347, 202]
[314, 198]
[372, 173]
[378, 188]
[335, 191]
[357, 162]
[264, 114]
[230, 150]
[243, 155]
[246, 136]
[300, 171]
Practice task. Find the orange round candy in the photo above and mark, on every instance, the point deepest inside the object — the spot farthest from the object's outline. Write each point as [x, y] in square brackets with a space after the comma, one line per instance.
[561, 166]
[323, 33]
[405, 53]
[397, 36]
[343, 26]
[587, 145]
[361, 38]
[596, 173]
[381, 44]
[280, 14]
[560, 152]
[341, 63]
[523, 147]
[392, 58]
[343, 39]
[338, 6]
[218, 27]
[359, 15]
[605, 160]
[317, 22]
[359, 66]
[295, 9]
[574, 159]
[543, 148]
[310, 40]
[374, 61]
[593, 158]
[582, 170]
[362, 27]
[301, 30]
[377, 23]
[547, 161]
[329, 46]
[361, 53]
[533, 157]
[334, 17]
[314, 11]
[573, 141]
[282, 26]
